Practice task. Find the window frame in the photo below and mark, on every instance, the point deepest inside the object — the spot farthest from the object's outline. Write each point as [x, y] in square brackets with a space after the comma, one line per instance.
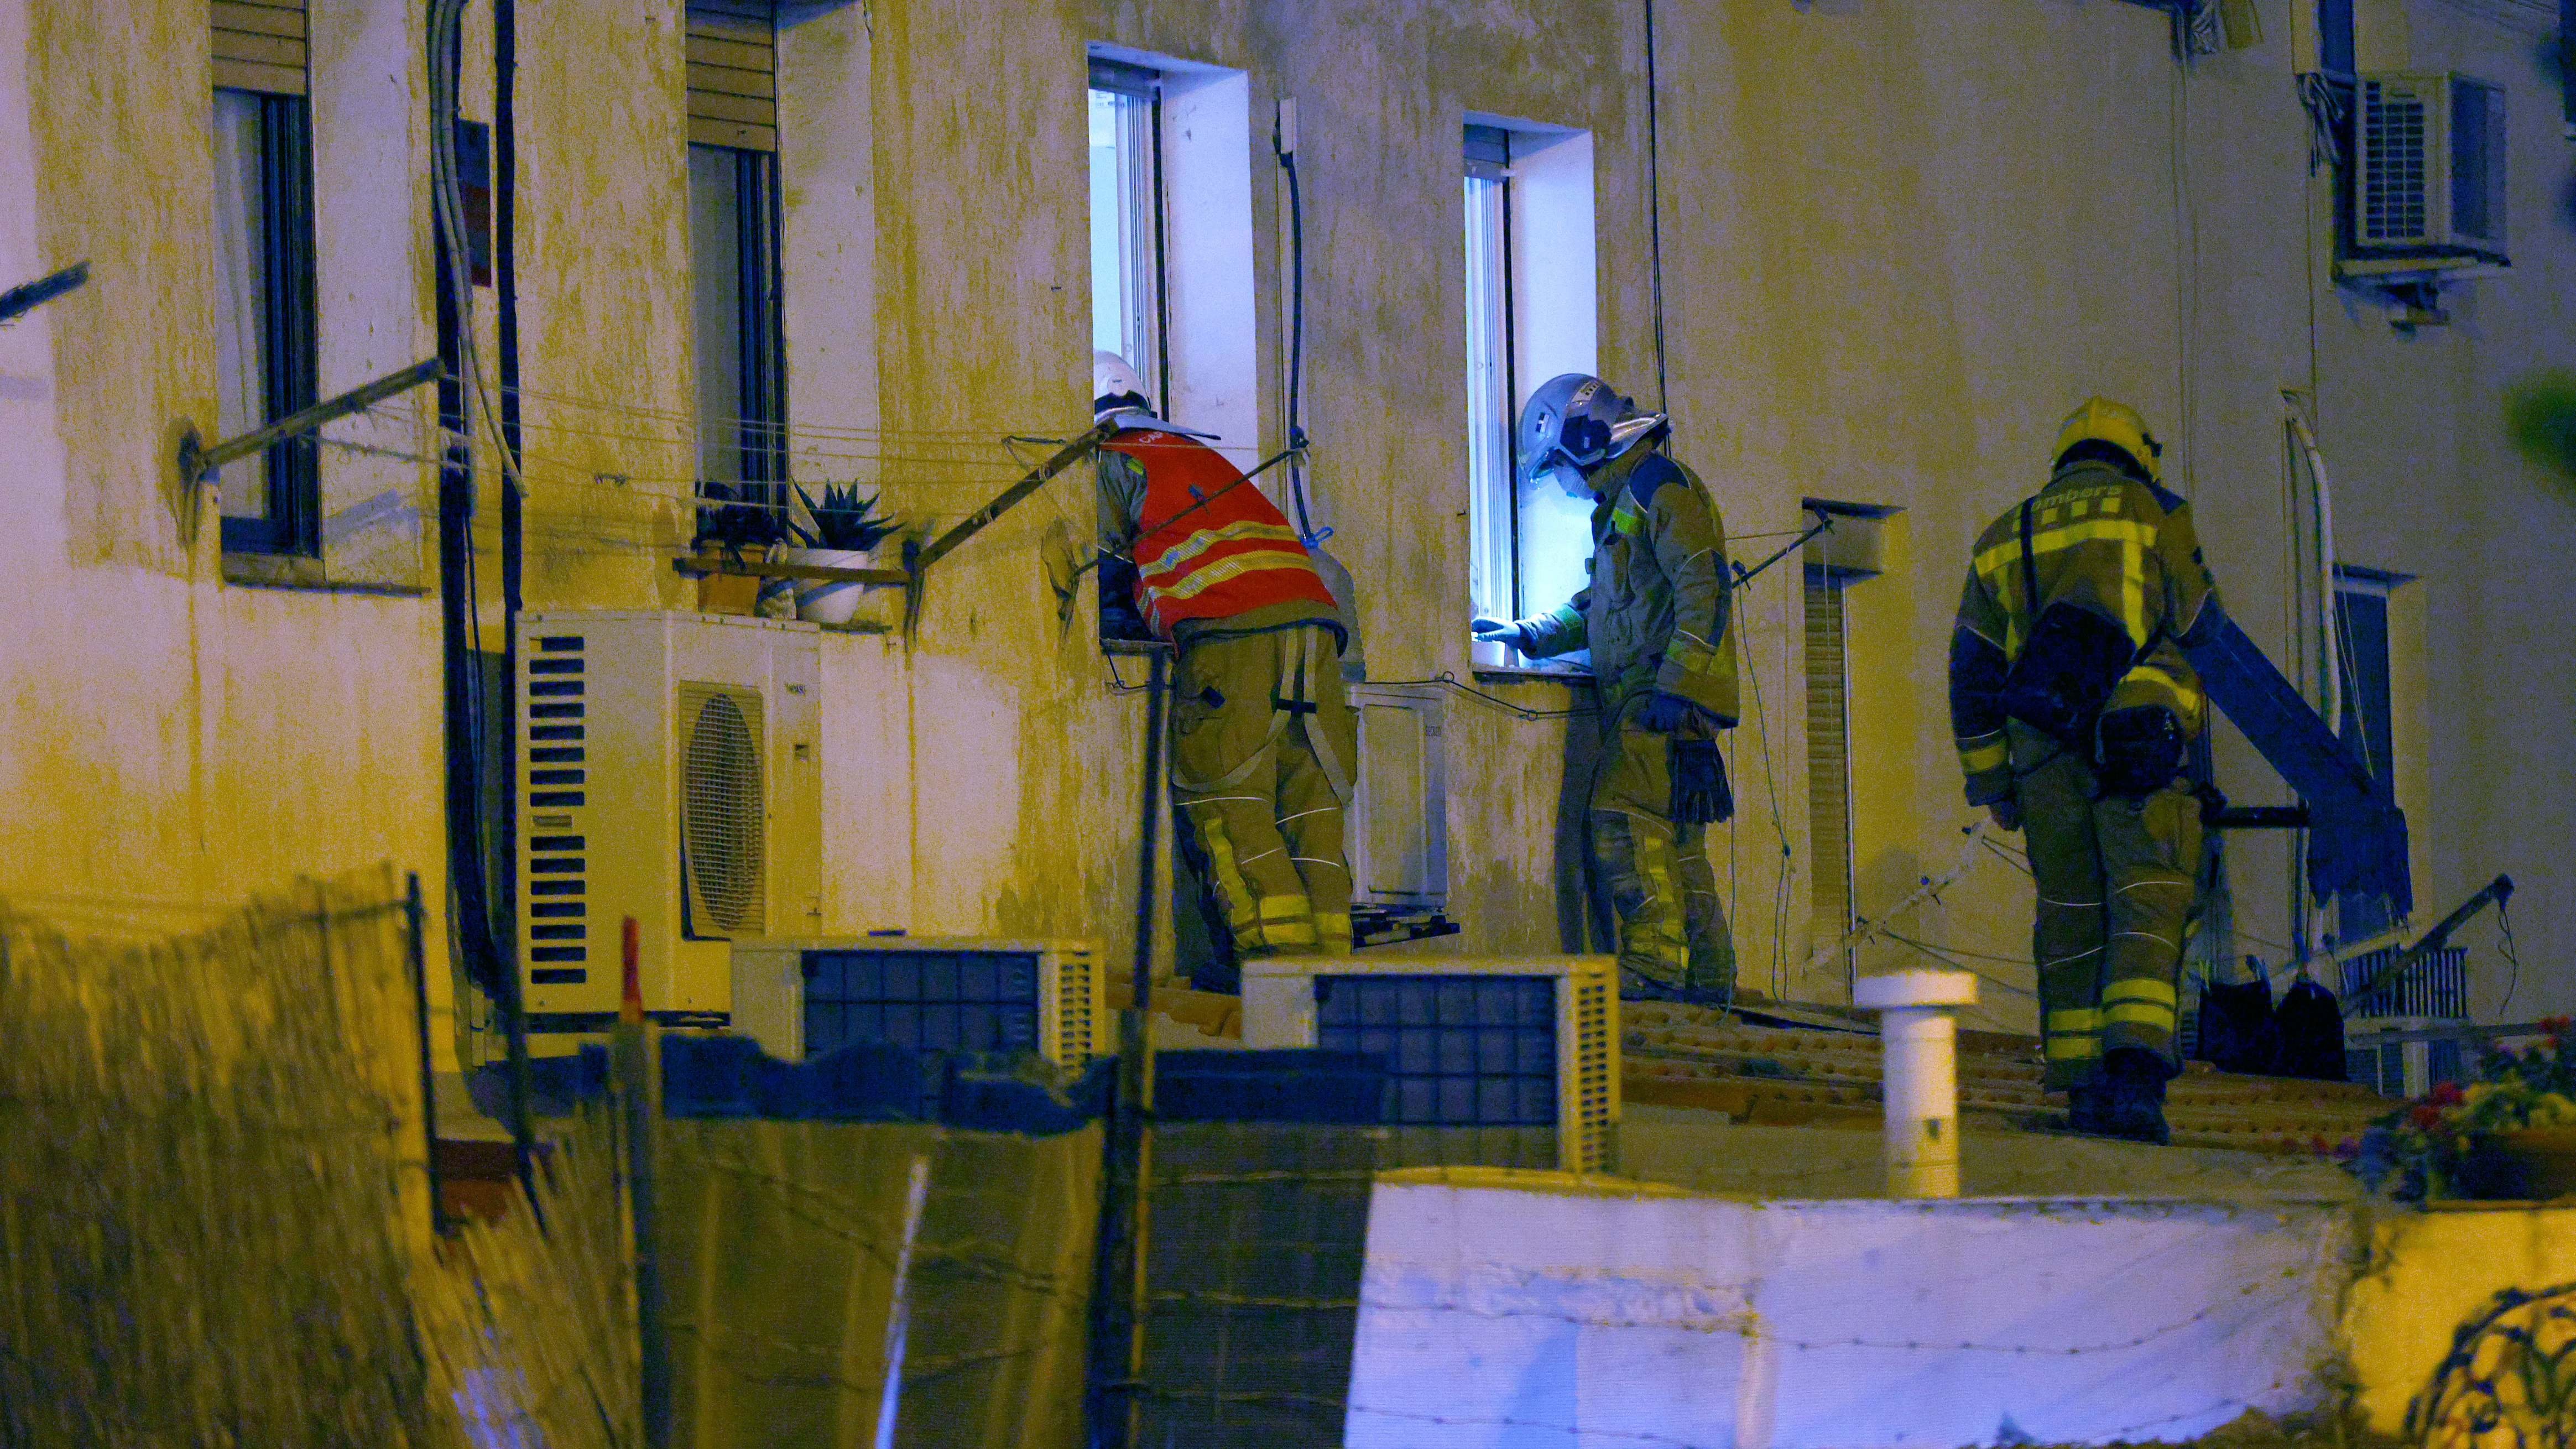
[1491, 271]
[1144, 250]
[289, 524]
[2357, 915]
[760, 421]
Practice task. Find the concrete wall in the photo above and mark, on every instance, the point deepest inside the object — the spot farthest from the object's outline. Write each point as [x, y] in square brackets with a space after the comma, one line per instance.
[1898, 242]
[1510, 1309]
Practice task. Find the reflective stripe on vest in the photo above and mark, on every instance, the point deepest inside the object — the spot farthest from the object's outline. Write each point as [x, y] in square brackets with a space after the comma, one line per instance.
[1214, 547]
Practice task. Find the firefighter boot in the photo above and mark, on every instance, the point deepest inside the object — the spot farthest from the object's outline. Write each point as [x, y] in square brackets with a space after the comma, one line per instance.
[2132, 1103]
[2084, 1107]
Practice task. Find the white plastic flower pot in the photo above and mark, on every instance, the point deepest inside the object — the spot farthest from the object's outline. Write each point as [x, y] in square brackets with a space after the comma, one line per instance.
[828, 601]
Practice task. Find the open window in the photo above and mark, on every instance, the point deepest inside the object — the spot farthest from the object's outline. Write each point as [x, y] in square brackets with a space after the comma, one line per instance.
[1127, 218]
[1171, 238]
[1531, 314]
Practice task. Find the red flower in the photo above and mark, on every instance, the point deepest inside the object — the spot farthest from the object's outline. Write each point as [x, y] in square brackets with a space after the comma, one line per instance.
[2556, 1026]
[2424, 1116]
[2445, 1094]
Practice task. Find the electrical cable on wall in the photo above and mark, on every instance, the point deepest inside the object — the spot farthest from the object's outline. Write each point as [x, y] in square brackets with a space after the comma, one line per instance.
[1655, 212]
[1283, 138]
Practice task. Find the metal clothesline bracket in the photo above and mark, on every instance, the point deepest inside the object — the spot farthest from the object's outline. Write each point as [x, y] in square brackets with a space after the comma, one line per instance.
[917, 560]
[197, 462]
[20, 300]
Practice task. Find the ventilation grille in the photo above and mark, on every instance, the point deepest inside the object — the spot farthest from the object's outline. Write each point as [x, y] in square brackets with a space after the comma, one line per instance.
[984, 1001]
[1460, 1051]
[259, 45]
[723, 810]
[2396, 194]
[1596, 1076]
[2437, 988]
[733, 74]
[1077, 1008]
[554, 748]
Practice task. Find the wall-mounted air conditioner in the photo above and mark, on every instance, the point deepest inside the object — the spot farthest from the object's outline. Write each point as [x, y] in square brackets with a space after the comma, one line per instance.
[1511, 1041]
[801, 998]
[668, 770]
[1398, 835]
[2428, 173]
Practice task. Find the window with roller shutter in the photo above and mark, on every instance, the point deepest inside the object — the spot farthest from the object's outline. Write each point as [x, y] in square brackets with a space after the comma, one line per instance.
[736, 246]
[267, 357]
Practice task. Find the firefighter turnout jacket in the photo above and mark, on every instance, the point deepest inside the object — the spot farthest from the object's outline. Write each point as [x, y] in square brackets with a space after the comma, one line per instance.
[2102, 571]
[1655, 613]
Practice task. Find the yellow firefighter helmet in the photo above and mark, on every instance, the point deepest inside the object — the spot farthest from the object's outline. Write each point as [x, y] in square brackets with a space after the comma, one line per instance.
[2101, 420]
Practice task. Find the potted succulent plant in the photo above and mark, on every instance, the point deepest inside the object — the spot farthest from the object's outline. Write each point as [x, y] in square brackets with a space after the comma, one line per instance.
[734, 525]
[2510, 1134]
[844, 532]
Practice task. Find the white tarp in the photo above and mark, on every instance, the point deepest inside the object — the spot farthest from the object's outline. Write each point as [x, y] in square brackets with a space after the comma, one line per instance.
[1516, 1310]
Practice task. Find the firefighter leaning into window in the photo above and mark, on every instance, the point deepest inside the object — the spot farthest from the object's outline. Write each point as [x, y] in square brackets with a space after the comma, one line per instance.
[1654, 616]
[1262, 736]
[2072, 706]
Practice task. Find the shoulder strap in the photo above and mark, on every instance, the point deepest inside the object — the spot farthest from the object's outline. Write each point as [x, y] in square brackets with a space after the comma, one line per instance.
[1649, 476]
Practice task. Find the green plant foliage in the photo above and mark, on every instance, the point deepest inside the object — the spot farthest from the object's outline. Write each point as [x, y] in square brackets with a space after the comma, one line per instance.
[844, 520]
[2540, 417]
[734, 518]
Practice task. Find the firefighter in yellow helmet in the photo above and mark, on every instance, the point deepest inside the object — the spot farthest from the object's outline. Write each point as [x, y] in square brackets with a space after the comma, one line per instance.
[1654, 618]
[2072, 706]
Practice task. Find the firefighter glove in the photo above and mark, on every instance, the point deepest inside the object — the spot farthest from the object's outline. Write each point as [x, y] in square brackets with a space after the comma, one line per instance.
[1700, 796]
[1491, 630]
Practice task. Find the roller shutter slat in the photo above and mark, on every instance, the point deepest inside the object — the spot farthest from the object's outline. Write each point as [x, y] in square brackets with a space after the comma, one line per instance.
[736, 134]
[243, 75]
[260, 19]
[732, 54]
[723, 80]
[259, 49]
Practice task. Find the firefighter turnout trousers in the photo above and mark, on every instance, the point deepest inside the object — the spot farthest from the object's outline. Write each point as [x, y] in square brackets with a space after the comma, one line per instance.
[1263, 741]
[2116, 877]
[1672, 929]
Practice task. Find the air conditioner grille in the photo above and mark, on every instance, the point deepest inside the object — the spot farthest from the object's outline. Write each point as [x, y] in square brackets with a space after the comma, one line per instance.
[2437, 987]
[1460, 1051]
[1596, 1075]
[558, 871]
[925, 1000]
[723, 808]
[2396, 195]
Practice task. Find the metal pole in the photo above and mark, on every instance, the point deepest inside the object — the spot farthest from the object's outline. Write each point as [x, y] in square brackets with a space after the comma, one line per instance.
[1137, 1045]
[632, 1053]
[413, 917]
[1118, 1301]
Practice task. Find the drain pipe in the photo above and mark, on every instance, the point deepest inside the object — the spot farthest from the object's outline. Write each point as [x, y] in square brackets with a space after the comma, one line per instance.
[1919, 1034]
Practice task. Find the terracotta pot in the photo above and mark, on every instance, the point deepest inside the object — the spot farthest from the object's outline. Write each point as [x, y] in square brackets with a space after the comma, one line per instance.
[725, 593]
[2547, 1157]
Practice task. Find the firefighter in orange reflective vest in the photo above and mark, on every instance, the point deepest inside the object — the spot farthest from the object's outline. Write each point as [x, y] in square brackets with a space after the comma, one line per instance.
[2072, 705]
[1263, 738]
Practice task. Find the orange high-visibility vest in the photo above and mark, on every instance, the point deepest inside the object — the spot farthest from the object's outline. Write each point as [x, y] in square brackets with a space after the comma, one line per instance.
[1208, 550]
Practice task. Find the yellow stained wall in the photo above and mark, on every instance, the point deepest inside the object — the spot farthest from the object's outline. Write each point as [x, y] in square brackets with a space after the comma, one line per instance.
[1898, 242]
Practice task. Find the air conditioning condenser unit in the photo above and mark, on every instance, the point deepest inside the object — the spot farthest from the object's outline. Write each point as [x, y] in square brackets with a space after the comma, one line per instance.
[2428, 171]
[1466, 1041]
[667, 770]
